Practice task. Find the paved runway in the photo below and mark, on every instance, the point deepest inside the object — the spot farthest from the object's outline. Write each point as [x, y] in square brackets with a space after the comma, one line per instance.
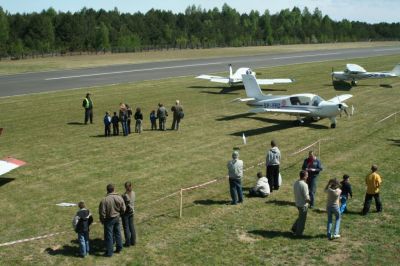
[79, 78]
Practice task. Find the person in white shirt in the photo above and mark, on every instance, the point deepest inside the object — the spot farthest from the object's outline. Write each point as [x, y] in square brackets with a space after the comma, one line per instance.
[302, 198]
[261, 189]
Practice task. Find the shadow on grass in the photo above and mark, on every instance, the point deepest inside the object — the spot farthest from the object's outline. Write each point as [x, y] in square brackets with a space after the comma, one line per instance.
[395, 142]
[5, 180]
[233, 117]
[286, 234]
[340, 85]
[101, 136]
[388, 86]
[281, 202]
[96, 248]
[76, 123]
[211, 202]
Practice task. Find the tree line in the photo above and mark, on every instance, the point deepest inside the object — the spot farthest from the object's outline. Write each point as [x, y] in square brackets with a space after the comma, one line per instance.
[102, 31]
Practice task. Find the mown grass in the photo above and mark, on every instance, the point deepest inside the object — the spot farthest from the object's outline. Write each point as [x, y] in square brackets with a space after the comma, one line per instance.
[82, 61]
[69, 162]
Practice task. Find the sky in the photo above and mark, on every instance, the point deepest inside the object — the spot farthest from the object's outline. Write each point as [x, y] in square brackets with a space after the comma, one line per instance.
[370, 11]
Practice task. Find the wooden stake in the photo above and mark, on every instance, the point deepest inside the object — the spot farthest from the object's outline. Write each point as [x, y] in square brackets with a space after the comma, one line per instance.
[319, 149]
[181, 203]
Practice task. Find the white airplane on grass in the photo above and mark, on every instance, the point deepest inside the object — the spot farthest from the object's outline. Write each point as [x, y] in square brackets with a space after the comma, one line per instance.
[236, 78]
[299, 105]
[355, 72]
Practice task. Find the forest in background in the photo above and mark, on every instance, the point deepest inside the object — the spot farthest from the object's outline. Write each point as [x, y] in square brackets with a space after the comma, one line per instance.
[55, 33]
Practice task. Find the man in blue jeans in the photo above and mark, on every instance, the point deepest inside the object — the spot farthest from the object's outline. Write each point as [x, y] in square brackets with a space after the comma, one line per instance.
[313, 167]
[235, 173]
[110, 210]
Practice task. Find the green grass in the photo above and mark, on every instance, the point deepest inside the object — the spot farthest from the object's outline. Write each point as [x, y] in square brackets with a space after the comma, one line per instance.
[68, 162]
[80, 61]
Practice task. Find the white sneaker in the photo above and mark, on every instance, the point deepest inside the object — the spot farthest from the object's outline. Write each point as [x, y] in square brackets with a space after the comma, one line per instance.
[336, 236]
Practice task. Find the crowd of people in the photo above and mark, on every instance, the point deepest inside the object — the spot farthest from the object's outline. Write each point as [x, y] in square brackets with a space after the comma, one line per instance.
[125, 116]
[304, 188]
[113, 209]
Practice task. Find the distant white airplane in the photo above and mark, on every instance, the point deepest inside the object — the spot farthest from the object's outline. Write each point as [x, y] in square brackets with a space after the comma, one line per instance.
[299, 105]
[236, 78]
[355, 72]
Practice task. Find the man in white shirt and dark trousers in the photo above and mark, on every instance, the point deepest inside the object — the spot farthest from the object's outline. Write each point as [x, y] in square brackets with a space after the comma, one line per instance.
[302, 198]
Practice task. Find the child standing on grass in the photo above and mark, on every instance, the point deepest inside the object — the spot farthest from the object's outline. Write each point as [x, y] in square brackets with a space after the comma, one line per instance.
[153, 119]
[139, 119]
[346, 192]
[332, 207]
[107, 125]
[81, 222]
[115, 121]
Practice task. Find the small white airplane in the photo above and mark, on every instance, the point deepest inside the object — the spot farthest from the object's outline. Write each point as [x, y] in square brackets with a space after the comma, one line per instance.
[236, 78]
[355, 72]
[299, 105]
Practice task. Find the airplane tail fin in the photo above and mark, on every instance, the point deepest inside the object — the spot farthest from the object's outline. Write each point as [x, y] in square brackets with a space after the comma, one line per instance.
[252, 88]
[230, 71]
[396, 70]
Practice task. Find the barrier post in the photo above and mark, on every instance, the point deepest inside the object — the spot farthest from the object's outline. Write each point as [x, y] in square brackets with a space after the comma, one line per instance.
[181, 203]
[319, 149]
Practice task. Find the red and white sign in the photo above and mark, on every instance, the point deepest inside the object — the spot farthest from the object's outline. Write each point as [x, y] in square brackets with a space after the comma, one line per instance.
[8, 164]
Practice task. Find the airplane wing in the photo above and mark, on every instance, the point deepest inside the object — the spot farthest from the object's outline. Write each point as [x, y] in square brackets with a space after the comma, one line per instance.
[290, 111]
[243, 99]
[355, 68]
[340, 98]
[8, 164]
[273, 81]
[214, 78]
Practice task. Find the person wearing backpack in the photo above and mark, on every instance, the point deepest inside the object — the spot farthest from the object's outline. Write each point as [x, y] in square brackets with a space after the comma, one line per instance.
[127, 217]
[178, 114]
[81, 223]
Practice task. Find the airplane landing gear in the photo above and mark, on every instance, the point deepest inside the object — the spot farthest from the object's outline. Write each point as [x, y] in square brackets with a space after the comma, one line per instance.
[333, 125]
[353, 83]
[298, 122]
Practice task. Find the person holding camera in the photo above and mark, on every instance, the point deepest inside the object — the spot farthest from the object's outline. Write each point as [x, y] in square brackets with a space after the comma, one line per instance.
[332, 207]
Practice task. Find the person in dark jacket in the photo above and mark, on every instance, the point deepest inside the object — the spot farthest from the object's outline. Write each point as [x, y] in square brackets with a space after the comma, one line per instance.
[313, 166]
[81, 223]
[346, 192]
[153, 120]
[177, 112]
[115, 121]
[107, 125]
[88, 105]
[138, 118]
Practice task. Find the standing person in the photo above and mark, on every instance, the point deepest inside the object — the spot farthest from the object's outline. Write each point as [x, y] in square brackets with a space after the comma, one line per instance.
[177, 111]
[81, 223]
[272, 163]
[138, 119]
[313, 166]
[88, 105]
[107, 125]
[373, 182]
[302, 198]
[110, 209]
[129, 118]
[123, 118]
[235, 173]
[346, 192]
[261, 189]
[128, 217]
[153, 120]
[115, 123]
[162, 116]
[332, 207]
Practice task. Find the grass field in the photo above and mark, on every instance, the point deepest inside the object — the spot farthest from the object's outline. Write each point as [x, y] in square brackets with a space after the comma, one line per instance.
[80, 61]
[68, 162]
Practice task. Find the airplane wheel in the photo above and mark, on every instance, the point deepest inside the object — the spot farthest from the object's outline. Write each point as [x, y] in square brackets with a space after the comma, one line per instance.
[298, 123]
[353, 83]
[333, 125]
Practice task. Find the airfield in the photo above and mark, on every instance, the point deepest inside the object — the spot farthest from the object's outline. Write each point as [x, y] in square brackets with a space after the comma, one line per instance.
[68, 162]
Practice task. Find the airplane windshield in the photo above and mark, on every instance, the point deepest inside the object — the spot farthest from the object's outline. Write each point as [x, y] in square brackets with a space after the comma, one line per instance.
[316, 100]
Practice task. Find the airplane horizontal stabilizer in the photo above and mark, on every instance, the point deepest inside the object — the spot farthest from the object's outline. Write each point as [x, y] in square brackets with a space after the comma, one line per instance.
[280, 111]
[340, 98]
[273, 81]
[208, 77]
[243, 99]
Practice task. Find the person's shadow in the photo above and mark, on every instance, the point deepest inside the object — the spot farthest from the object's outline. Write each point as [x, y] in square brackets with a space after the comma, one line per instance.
[211, 202]
[286, 234]
[96, 248]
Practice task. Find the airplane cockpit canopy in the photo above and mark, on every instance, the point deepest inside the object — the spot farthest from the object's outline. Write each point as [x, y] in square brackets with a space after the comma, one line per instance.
[316, 100]
[300, 100]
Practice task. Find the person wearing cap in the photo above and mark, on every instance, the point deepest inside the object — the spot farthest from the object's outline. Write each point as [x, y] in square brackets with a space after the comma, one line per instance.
[313, 166]
[373, 182]
[177, 112]
[81, 223]
[235, 174]
[88, 105]
[273, 159]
